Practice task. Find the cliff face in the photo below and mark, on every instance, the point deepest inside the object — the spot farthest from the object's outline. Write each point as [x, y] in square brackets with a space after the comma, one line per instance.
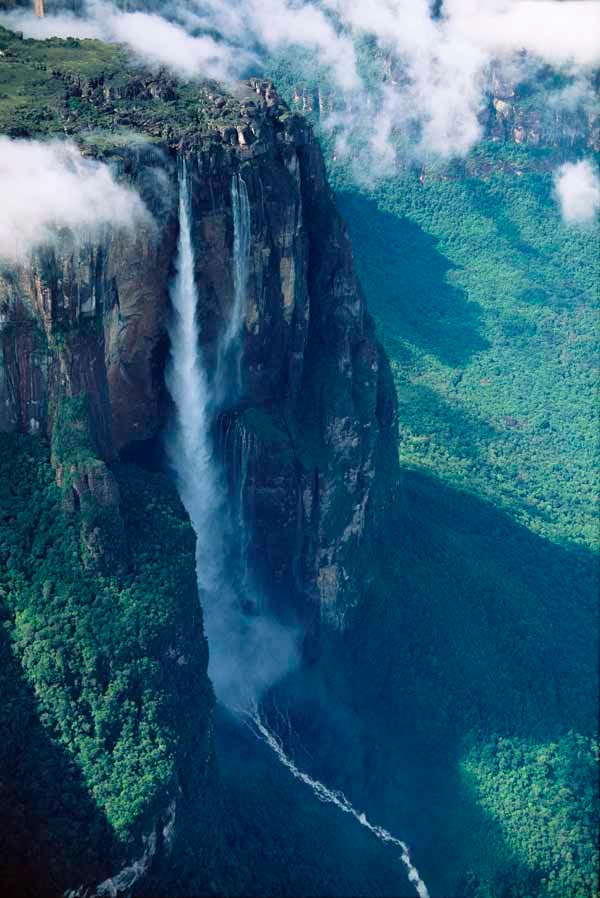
[316, 415]
[87, 318]
[307, 442]
[315, 419]
[528, 113]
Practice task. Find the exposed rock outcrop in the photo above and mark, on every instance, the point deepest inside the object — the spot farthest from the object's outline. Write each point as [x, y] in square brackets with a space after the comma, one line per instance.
[527, 115]
[523, 109]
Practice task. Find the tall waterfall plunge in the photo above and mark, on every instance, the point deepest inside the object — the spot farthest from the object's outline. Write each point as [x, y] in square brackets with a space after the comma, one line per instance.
[189, 445]
[248, 653]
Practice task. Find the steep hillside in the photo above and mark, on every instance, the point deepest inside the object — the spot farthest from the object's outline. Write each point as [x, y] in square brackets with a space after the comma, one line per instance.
[105, 675]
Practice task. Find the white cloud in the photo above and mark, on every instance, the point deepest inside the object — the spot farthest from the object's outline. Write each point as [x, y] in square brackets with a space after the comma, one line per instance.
[64, 25]
[557, 32]
[157, 40]
[578, 94]
[49, 187]
[163, 43]
[444, 61]
[577, 188]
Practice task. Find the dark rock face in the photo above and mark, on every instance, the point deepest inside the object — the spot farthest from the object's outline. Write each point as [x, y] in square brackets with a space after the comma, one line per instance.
[88, 320]
[308, 444]
[314, 436]
[311, 438]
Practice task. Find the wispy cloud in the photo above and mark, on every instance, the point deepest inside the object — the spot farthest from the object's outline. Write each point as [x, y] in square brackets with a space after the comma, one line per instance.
[442, 60]
[49, 187]
[152, 38]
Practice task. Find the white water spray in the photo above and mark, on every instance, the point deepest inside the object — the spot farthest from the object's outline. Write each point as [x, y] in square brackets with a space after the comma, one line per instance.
[123, 881]
[328, 796]
[248, 652]
[189, 446]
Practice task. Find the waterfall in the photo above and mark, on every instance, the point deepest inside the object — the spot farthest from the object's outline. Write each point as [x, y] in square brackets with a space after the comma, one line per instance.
[240, 206]
[229, 375]
[189, 445]
[338, 799]
[236, 448]
[248, 651]
[123, 882]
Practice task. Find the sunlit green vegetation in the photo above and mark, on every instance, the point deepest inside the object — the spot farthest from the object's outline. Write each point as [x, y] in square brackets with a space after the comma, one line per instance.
[94, 93]
[32, 85]
[544, 798]
[487, 305]
[98, 651]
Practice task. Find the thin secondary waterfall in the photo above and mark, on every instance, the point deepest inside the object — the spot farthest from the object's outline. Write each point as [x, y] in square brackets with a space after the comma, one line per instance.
[240, 206]
[248, 652]
[228, 378]
[123, 881]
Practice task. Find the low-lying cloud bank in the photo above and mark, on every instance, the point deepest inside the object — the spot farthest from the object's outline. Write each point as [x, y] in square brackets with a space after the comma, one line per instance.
[46, 188]
[577, 188]
[440, 57]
